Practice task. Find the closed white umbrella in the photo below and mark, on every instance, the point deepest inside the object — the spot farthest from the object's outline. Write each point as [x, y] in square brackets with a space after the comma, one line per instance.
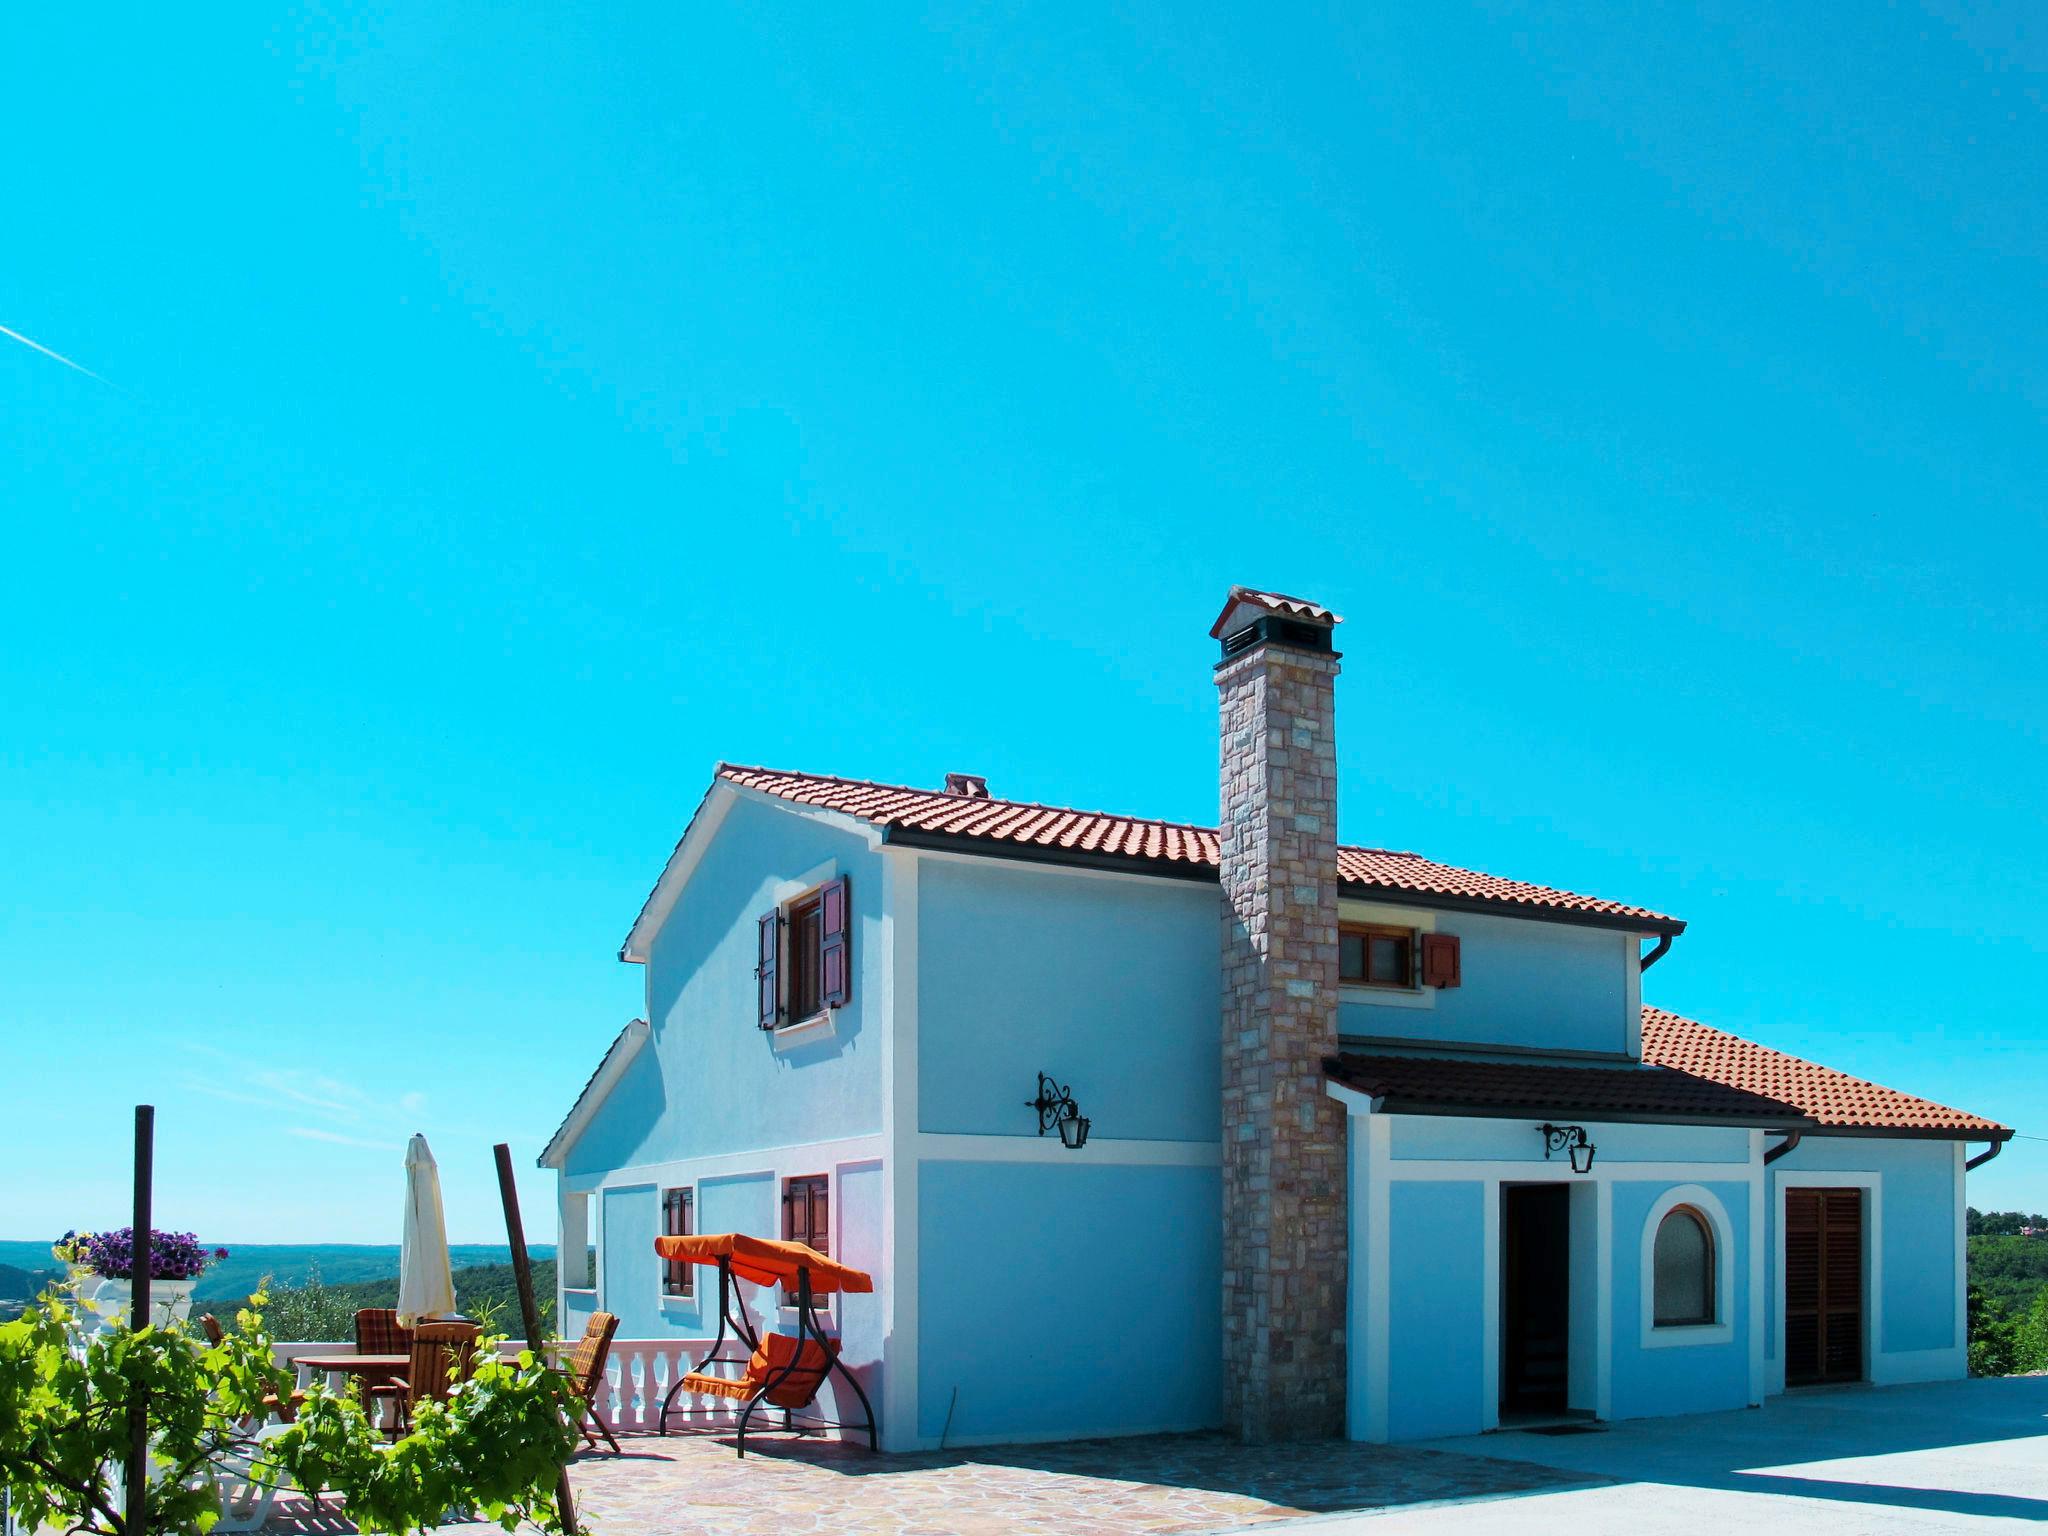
[426, 1288]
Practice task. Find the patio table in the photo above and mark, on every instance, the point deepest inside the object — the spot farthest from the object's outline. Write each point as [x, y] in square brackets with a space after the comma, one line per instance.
[372, 1368]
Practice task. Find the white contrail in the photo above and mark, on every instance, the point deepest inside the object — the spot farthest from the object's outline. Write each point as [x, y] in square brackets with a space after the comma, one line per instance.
[26, 342]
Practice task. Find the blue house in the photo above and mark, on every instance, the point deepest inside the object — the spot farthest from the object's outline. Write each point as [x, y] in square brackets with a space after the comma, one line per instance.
[1142, 1126]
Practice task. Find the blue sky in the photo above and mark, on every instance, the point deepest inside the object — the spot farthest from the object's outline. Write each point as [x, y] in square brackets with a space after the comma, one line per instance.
[508, 415]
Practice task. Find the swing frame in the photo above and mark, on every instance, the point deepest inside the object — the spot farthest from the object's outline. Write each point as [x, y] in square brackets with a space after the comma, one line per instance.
[807, 1326]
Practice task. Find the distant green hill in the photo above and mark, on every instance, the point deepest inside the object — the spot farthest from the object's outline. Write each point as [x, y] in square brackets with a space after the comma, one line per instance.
[248, 1264]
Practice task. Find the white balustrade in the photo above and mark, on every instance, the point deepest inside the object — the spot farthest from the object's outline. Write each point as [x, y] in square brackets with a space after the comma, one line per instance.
[638, 1373]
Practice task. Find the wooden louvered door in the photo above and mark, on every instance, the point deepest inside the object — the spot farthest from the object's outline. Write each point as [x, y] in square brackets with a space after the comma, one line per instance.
[1823, 1286]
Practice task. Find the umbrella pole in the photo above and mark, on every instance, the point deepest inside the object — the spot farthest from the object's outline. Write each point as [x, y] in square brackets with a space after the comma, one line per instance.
[529, 1309]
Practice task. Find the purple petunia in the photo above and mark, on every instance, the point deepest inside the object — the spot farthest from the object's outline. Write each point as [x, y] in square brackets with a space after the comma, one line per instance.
[172, 1255]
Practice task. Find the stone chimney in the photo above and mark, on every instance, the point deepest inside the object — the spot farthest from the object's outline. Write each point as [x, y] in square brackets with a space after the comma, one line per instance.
[1284, 1219]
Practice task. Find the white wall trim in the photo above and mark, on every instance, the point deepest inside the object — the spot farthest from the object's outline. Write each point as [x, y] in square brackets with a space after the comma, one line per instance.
[1758, 1231]
[1632, 994]
[1489, 1304]
[677, 1173]
[787, 891]
[1603, 1299]
[1558, 1171]
[610, 1069]
[675, 874]
[946, 1146]
[1871, 1183]
[1962, 1332]
[1353, 1101]
[1379, 1134]
[900, 1135]
[1722, 1233]
[1050, 867]
[818, 1028]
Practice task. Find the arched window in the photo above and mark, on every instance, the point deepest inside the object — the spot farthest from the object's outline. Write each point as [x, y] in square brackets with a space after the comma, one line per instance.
[1684, 1277]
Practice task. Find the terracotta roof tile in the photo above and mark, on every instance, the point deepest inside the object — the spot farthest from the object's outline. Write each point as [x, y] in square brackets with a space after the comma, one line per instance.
[1174, 844]
[1689, 1072]
[1827, 1097]
[1273, 602]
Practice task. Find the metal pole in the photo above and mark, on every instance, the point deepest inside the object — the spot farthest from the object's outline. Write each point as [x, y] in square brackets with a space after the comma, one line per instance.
[529, 1308]
[138, 1318]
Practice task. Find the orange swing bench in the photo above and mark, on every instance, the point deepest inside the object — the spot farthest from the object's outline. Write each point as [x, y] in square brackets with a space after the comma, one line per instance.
[785, 1371]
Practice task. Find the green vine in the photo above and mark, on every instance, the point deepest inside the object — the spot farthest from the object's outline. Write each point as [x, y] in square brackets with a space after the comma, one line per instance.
[494, 1449]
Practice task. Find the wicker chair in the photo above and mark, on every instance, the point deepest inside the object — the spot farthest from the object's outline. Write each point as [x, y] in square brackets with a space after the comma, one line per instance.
[585, 1370]
[441, 1356]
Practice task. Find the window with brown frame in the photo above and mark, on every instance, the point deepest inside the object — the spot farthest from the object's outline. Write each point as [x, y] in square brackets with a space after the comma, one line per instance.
[806, 944]
[1372, 956]
[1683, 1270]
[805, 960]
[678, 1219]
[807, 1216]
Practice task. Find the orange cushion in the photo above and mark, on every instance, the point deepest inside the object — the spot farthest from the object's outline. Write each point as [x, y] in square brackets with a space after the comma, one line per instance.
[765, 1365]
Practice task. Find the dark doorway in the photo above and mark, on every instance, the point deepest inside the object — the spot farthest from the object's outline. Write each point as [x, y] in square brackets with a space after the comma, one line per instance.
[1823, 1286]
[1535, 1297]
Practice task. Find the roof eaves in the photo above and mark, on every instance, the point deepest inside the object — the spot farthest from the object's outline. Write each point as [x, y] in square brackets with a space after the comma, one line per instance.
[610, 1068]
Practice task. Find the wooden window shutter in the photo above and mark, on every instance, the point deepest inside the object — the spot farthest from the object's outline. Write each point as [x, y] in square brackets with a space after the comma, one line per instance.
[767, 977]
[835, 949]
[1440, 962]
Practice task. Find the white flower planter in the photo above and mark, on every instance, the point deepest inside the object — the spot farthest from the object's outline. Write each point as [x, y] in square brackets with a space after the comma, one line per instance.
[169, 1301]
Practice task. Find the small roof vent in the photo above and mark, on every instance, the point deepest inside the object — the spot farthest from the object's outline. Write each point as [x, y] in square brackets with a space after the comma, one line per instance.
[972, 785]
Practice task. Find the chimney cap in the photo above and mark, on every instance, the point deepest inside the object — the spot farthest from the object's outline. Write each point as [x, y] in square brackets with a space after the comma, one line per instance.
[972, 785]
[1299, 608]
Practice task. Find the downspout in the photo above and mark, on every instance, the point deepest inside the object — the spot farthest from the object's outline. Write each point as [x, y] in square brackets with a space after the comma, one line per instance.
[1792, 1139]
[1985, 1156]
[1653, 956]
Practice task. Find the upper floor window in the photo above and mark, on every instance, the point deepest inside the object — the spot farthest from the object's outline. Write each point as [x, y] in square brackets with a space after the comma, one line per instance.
[805, 956]
[1375, 956]
[1684, 1269]
[678, 1219]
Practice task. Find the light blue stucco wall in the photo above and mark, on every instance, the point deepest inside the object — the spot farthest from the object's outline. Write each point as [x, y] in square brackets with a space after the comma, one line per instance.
[631, 1217]
[1546, 986]
[1437, 1321]
[1689, 1378]
[1917, 1309]
[710, 1080]
[1064, 1301]
[1111, 985]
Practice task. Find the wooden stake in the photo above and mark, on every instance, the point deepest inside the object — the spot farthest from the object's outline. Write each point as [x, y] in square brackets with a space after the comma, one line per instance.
[138, 1318]
[529, 1308]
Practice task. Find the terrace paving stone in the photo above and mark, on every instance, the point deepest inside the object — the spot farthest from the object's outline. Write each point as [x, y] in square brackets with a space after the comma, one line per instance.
[695, 1486]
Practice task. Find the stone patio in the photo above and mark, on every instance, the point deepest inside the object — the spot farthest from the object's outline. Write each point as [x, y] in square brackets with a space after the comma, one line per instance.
[695, 1486]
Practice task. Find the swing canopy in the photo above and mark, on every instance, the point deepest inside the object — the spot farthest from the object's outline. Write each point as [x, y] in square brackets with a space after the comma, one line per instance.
[765, 1260]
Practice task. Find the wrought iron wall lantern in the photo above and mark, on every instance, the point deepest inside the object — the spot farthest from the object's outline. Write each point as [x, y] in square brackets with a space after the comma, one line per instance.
[1570, 1139]
[1057, 1111]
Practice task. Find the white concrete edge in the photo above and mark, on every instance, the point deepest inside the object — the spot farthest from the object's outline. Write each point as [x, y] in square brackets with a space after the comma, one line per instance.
[717, 801]
[617, 1057]
[954, 1147]
[680, 1172]
[1758, 1244]
[1379, 1132]
[1722, 1329]
[900, 880]
[1871, 1183]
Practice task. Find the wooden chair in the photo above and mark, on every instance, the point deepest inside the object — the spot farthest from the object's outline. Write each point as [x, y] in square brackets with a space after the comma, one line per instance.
[379, 1332]
[585, 1370]
[441, 1356]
